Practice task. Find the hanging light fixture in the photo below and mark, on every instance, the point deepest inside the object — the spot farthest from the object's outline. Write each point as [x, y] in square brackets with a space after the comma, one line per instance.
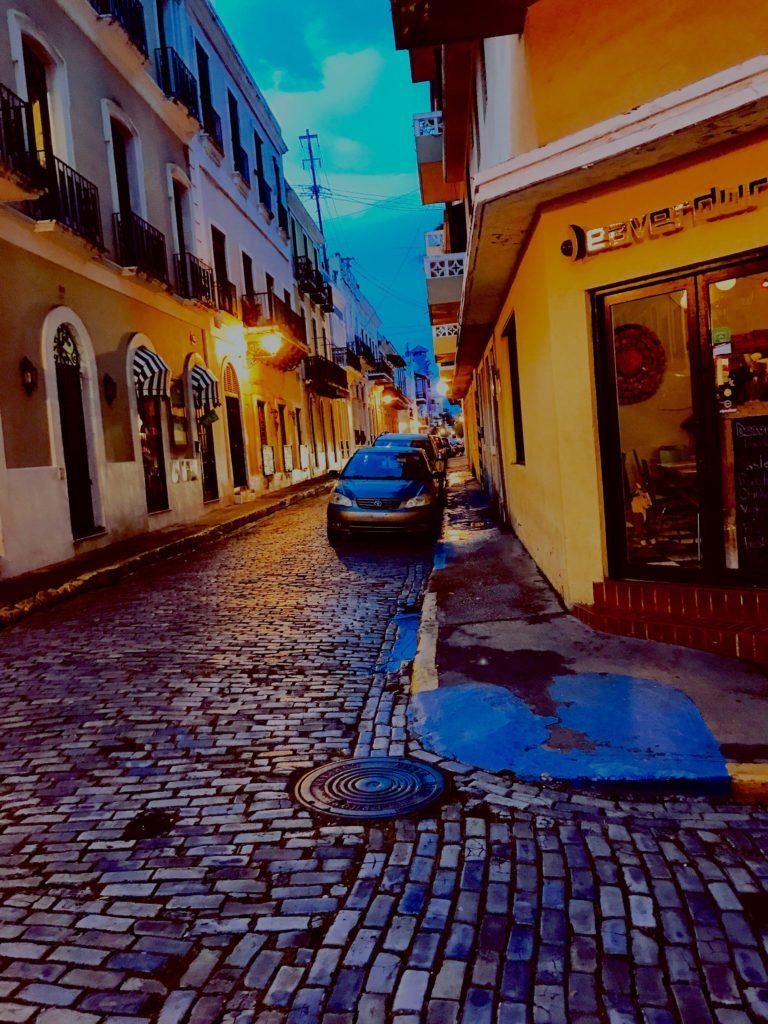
[725, 286]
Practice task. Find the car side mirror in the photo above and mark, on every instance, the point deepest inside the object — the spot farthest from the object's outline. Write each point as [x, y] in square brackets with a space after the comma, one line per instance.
[333, 474]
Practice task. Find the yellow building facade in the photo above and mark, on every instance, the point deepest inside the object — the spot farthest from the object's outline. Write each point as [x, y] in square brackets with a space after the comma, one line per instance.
[612, 328]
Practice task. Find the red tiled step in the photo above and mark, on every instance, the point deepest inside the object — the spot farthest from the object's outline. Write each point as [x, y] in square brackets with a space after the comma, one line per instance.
[682, 602]
[733, 638]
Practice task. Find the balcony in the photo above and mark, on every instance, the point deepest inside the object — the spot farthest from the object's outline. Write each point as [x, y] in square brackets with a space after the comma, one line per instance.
[428, 132]
[304, 272]
[444, 340]
[347, 358]
[212, 128]
[242, 167]
[424, 23]
[326, 302]
[194, 279]
[353, 360]
[325, 377]
[365, 352]
[21, 175]
[70, 200]
[445, 279]
[141, 247]
[274, 332]
[176, 80]
[226, 297]
[129, 15]
[381, 373]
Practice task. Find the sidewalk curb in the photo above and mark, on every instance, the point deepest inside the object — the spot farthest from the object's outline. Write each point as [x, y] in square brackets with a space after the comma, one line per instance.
[424, 672]
[108, 574]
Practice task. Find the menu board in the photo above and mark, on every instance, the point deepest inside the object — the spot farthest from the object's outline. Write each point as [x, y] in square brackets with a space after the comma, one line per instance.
[750, 473]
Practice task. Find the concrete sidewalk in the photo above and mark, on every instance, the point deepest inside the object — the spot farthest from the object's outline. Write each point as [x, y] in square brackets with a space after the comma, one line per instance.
[507, 680]
[22, 595]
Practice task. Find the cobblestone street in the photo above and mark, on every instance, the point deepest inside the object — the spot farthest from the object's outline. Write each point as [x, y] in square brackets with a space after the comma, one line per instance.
[155, 868]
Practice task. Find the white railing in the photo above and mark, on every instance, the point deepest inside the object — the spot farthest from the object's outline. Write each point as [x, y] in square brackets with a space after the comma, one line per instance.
[445, 331]
[449, 265]
[428, 124]
[433, 242]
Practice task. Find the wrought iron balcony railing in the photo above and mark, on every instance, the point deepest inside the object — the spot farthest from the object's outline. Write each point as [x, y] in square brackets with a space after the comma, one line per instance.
[265, 195]
[353, 359]
[326, 300]
[382, 369]
[325, 377]
[304, 273]
[241, 164]
[176, 80]
[129, 14]
[265, 309]
[226, 294]
[212, 127]
[140, 245]
[17, 149]
[194, 279]
[70, 199]
[365, 351]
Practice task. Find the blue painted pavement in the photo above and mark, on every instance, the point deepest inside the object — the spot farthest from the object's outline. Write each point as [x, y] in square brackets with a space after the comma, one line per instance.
[607, 728]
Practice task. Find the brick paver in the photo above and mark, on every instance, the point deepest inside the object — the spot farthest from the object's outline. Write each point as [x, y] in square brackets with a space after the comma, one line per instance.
[200, 689]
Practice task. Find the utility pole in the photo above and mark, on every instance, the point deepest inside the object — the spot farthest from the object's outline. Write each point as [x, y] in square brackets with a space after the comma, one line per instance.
[310, 162]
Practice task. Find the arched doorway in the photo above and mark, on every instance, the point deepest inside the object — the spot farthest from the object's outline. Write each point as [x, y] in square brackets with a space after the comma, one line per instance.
[67, 361]
[235, 426]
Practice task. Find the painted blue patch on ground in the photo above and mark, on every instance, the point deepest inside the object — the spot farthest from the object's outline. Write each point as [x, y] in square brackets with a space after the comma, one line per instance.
[406, 641]
[608, 728]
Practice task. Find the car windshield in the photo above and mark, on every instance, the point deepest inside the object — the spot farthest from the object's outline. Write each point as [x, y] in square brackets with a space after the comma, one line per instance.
[386, 465]
[403, 442]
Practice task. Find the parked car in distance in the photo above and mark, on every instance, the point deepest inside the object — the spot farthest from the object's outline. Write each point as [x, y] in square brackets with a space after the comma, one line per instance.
[457, 445]
[385, 490]
[426, 442]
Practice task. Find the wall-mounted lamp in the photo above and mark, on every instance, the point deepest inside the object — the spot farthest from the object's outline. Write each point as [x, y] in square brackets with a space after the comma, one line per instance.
[28, 372]
[110, 388]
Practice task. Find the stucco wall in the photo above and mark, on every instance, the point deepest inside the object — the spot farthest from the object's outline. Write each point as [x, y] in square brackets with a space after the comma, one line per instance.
[590, 61]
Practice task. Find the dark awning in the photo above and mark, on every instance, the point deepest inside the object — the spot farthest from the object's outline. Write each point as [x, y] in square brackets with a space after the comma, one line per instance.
[205, 388]
[151, 374]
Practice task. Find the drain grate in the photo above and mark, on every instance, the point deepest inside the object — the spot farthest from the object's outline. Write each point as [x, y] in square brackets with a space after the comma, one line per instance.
[370, 787]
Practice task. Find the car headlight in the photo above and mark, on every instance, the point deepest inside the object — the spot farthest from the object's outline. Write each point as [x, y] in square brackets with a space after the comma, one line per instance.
[418, 501]
[337, 498]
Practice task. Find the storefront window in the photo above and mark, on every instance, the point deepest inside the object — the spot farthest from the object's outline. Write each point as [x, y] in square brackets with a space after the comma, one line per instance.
[738, 336]
[649, 335]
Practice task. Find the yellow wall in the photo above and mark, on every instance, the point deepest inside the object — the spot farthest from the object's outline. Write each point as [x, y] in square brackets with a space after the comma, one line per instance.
[591, 61]
[555, 500]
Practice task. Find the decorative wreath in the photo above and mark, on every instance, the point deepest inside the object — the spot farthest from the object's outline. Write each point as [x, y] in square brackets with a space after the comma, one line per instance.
[640, 363]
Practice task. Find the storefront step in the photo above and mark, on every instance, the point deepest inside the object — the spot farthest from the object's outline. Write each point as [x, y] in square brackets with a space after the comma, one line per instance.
[734, 638]
[683, 602]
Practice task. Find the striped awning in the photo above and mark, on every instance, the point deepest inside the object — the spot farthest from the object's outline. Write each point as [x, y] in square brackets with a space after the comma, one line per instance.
[151, 374]
[205, 388]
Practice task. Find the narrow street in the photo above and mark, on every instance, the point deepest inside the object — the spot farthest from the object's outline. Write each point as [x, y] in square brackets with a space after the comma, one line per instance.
[155, 867]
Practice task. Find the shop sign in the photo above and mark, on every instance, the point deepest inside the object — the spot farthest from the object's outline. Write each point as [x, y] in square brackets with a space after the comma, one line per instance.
[712, 205]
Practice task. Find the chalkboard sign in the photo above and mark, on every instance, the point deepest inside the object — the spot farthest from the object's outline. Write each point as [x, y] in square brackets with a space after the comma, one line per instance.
[750, 471]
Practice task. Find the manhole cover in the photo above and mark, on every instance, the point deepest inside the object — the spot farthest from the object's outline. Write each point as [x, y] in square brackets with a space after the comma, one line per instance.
[370, 787]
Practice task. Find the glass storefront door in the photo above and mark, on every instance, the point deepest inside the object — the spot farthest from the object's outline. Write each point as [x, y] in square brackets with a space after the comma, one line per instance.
[738, 337]
[652, 395]
[684, 409]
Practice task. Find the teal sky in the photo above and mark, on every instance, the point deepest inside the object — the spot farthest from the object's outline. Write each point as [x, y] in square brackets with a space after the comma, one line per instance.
[333, 69]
